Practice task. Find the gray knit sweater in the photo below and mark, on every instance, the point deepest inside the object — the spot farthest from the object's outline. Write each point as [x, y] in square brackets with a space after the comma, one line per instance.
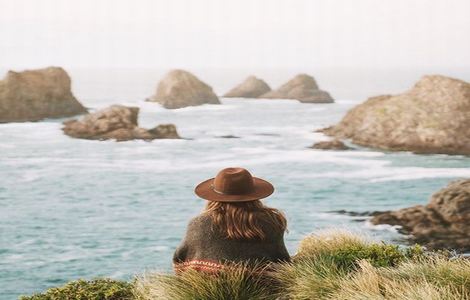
[202, 243]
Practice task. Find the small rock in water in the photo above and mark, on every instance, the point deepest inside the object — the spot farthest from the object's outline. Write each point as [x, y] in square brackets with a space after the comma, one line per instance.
[116, 122]
[331, 145]
[356, 213]
[268, 134]
[229, 136]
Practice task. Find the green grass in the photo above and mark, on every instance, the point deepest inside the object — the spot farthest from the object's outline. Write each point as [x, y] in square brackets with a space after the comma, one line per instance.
[329, 265]
[98, 289]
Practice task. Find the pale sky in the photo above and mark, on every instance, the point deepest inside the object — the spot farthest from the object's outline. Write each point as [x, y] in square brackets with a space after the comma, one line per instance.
[235, 34]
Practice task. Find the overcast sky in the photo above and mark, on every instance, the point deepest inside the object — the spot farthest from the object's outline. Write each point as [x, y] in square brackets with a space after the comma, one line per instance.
[235, 34]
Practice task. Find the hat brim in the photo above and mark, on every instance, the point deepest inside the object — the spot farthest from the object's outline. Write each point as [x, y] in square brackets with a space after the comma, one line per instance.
[261, 189]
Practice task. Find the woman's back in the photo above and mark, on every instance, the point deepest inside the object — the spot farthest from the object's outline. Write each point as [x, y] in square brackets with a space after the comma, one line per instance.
[235, 225]
[203, 242]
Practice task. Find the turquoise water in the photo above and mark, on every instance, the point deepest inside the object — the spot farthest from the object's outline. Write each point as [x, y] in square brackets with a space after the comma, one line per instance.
[81, 209]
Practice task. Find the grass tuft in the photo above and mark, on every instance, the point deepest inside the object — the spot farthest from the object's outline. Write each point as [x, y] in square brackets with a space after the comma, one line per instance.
[347, 249]
[436, 278]
[98, 289]
[308, 278]
[234, 282]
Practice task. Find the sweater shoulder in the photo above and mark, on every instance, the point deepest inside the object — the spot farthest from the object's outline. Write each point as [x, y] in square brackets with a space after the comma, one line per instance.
[200, 228]
[200, 221]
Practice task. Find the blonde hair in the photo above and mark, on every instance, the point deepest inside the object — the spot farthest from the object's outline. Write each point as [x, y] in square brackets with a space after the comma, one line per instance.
[243, 220]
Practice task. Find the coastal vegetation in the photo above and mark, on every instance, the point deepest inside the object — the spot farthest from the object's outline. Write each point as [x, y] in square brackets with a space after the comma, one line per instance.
[328, 265]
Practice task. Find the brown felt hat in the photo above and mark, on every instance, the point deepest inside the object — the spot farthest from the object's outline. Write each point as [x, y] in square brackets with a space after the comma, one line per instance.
[234, 185]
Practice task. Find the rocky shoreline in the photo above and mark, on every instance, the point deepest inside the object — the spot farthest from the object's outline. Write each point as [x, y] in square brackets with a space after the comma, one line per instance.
[444, 223]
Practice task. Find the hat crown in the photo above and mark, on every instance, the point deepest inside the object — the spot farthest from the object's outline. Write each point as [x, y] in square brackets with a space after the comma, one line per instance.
[233, 181]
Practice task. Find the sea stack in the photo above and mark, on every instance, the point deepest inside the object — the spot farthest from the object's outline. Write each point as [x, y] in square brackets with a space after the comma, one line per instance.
[34, 95]
[180, 88]
[116, 122]
[252, 87]
[444, 223]
[302, 87]
[432, 117]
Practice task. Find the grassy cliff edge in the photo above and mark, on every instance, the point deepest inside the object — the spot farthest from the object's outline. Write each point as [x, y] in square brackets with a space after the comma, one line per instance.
[328, 265]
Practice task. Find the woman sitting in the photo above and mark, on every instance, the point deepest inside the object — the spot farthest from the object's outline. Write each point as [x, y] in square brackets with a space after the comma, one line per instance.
[234, 227]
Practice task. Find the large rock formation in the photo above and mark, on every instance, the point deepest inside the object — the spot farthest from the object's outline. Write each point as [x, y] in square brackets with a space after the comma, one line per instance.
[180, 89]
[116, 122]
[443, 223]
[432, 117]
[37, 94]
[252, 87]
[303, 88]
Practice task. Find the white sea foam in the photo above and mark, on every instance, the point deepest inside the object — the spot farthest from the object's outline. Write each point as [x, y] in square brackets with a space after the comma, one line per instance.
[331, 216]
[13, 258]
[29, 176]
[204, 108]
[381, 227]
[421, 173]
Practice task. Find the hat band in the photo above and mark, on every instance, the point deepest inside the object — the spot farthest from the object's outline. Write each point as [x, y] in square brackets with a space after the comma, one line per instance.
[217, 191]
[221, 193]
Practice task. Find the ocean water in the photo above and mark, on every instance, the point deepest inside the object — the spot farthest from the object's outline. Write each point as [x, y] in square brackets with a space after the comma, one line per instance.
[74, 208]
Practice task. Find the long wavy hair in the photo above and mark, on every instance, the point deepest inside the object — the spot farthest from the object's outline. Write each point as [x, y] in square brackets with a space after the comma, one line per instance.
[245, 220]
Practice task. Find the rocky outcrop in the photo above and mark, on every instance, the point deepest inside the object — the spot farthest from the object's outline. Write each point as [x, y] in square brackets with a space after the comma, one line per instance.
[303, 88]
[37, 94]
[252, 87]
[330, 145]
[116, 122]
[432, 117]
[180, 89]
[443, 223]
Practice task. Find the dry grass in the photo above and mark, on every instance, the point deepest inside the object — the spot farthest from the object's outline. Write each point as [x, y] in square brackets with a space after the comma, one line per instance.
[437, 278]
[236, 282]
[327, 241]
[324, 263]
[308, 279]
[329, 265]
